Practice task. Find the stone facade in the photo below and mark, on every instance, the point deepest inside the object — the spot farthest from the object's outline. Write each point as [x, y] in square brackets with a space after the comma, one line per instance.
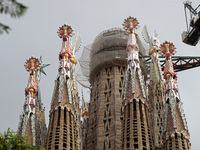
[64, 122]
[130, 106]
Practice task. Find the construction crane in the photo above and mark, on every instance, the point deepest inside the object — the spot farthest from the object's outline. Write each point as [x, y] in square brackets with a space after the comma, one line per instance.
[180, 63]
[192, 35]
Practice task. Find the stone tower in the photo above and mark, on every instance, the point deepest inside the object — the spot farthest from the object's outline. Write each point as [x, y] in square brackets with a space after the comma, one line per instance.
[136, 129]
[157, 100]
[32, 120]
[107, 69]
[107, 77]
[156, 89]
[175, 127]
[64, 123]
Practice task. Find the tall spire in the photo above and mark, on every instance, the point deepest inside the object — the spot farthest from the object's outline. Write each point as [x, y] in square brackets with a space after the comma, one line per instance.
[32, 120]
[66, 55]
[175, 128]
[156, 88]
[136, 128]
[64, 124]
[29, 106]
[32, 88]
[133, 66]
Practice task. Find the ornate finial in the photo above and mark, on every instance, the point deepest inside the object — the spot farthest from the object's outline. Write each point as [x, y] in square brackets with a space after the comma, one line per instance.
[32, 65]
[167, 49]
[130, 24]
[65, 31]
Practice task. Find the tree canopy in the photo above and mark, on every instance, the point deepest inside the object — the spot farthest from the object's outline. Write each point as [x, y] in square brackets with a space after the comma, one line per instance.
[12, 8]
[12, 141]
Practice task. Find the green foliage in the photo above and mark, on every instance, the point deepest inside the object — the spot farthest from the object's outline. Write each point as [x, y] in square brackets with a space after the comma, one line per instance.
[4, 28]
[13, 8]
[12, 141]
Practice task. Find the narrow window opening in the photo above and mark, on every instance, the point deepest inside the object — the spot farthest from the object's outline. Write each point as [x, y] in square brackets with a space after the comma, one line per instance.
[134, 104]
[59, 111]
[109, 121]
[56, 147]
[136, 145]
[122, 79]
[107, 106]
[65, 119]
[141, 113]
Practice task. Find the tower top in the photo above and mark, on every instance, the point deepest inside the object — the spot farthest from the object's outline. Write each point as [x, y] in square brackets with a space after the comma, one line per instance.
[32, 64]
[130, 24]
[65, 31]
[167, 49]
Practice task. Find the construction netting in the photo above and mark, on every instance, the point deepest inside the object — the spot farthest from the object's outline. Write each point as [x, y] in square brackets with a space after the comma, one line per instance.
[83, 73]
[108, 46]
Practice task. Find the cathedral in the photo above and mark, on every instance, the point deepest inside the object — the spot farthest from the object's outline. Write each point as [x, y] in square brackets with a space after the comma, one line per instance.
[134, 98]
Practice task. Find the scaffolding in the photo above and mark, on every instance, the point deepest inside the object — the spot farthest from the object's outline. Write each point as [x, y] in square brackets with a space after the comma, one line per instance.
[109, 47]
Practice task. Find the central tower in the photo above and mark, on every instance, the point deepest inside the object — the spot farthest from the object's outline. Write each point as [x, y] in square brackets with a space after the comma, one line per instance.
[107, 77]
[107, 69]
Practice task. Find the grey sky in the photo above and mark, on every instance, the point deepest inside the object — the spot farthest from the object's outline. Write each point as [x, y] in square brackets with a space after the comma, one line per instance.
[36, 34]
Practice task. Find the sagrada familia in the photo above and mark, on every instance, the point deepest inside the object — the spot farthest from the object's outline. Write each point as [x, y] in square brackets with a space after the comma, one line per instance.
[134, 98]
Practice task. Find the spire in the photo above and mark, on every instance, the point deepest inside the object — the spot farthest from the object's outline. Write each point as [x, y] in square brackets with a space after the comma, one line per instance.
[168, 49]
[32, 120]
[156, 88]
[172, 95]
[133, 74]
[136, 128]
[175, 122]
[66, 55]
[31, 91]
[65, 112]
[66, 68]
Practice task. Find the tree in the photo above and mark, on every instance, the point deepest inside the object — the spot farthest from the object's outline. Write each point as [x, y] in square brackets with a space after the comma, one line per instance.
[12, 141]
[14, 9]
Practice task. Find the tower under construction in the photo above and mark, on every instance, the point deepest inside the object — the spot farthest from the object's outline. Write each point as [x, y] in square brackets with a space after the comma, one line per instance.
[134, 99]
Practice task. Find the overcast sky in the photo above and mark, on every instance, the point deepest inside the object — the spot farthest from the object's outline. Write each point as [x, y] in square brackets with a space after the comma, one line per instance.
[36, 34]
